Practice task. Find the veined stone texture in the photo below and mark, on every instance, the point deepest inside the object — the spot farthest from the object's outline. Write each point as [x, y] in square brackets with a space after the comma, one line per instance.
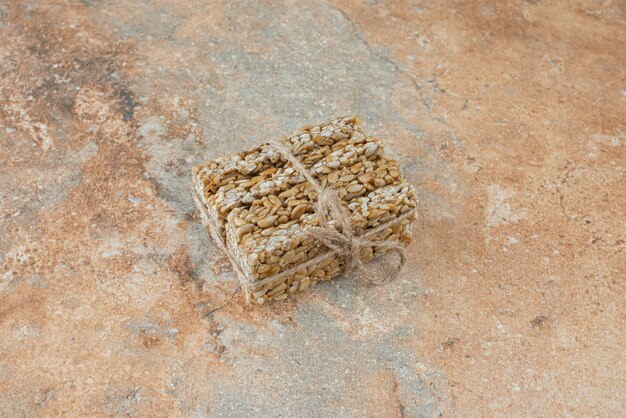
[507, 116]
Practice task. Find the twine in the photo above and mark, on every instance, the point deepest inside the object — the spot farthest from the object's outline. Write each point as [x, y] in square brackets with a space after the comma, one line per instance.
[340, 238]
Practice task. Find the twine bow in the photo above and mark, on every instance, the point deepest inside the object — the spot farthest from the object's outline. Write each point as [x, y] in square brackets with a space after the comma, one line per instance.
[340, 238]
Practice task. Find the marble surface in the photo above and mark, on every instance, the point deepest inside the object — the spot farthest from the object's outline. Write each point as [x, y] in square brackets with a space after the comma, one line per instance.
[509, 117]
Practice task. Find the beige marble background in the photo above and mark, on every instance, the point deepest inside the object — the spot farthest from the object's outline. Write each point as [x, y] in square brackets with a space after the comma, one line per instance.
[508, 116]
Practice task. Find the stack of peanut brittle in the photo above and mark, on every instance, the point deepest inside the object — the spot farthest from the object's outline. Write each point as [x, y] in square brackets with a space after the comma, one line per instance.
[258, 207]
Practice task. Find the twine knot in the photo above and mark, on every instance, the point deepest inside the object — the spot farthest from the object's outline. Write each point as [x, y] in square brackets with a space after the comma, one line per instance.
[336, 232]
